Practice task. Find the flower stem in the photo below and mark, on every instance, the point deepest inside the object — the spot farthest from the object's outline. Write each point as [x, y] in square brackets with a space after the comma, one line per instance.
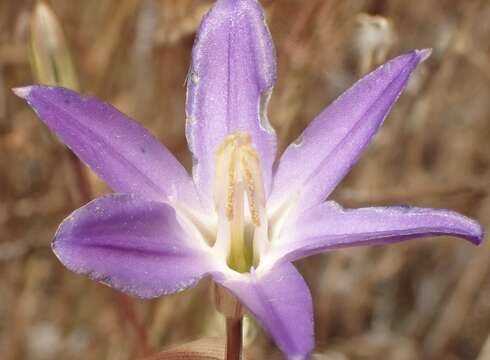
[233, 338]
[229, 306]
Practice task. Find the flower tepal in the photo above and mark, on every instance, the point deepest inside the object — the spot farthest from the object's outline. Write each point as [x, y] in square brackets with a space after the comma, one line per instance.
[235, 219]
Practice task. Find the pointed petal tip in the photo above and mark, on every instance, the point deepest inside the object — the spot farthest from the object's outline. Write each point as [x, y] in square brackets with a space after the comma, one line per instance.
[22, 92]
[474, 232]
[477, 237]
[424, 54]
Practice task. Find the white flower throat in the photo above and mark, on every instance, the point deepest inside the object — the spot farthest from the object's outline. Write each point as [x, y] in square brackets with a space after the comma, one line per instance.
[239, 198]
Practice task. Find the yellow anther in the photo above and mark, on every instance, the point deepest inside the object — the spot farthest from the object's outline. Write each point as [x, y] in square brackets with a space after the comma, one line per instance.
[231, 182]
[250, 189]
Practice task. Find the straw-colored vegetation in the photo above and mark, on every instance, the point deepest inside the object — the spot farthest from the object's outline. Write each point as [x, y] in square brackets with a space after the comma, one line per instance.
[428, 299]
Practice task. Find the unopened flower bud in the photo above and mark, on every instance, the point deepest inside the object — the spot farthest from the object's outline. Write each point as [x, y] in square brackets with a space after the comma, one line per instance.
[50, 57]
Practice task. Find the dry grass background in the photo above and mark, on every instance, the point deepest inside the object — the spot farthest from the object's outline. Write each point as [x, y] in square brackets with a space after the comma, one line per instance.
[428, 299]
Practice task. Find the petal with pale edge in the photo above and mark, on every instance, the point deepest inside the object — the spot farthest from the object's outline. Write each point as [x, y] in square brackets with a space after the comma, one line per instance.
[328, 226]
[131, 244]
[313, 166]
[115, 147]
[229, 83]
[281, 301]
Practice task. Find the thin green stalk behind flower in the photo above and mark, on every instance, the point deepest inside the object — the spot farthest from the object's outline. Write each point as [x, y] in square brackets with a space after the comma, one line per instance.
[50, 56]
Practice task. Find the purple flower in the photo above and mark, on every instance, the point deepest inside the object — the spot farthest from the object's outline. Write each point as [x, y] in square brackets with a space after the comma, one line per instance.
[239, 219]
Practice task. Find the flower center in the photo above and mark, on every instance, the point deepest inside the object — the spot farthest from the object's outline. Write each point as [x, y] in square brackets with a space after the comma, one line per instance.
[239, 199]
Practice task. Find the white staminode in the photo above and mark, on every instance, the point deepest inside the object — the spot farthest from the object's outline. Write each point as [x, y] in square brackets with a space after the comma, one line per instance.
[239, 200]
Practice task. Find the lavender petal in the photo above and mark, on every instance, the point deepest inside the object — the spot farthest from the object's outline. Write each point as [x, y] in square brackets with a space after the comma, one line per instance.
[131, 244]
[333, 142]
[281, 301]
[328, 226]
[230, 80]
[115, 147]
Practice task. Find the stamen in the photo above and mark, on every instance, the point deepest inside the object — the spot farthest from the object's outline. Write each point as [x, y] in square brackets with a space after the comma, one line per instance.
[238, 177]
[250, 192]
[231, 183]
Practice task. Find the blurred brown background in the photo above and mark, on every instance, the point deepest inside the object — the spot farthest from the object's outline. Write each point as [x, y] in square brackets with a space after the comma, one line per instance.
[428, 299]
